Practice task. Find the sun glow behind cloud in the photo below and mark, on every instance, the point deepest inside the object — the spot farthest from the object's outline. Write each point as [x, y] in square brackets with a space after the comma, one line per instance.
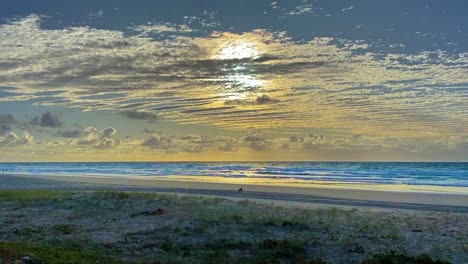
[323, 79]
[237, 77]
[363, 98]
[239, 50]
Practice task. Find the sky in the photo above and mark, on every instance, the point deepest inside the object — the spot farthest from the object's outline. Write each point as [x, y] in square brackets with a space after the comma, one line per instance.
[209, 80]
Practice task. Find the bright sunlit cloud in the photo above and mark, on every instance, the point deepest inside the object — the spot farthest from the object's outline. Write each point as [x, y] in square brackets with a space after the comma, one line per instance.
[238, 50]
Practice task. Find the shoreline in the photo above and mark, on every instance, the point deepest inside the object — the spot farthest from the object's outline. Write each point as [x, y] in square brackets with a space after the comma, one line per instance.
[312, 194]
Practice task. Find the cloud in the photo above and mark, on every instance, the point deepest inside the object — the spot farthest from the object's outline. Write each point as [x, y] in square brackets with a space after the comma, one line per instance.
[5, 129]
[90, 136]
[265, 99]
[96, 15]
[159, 141]
[107, 143]
[358, 86]
[14, 140]
[345, 9]
[87, 140]
[189, 143]
[162, 28]
[257, 141]
[262, 99]
[48, 119]
[311, 141]
[108, 132]
[227, 146]
[141, 115]
[75, 133]
[293, 138]
[302, 9]
[7, 121]
[149, 131]
[193, 148]
[253, 136]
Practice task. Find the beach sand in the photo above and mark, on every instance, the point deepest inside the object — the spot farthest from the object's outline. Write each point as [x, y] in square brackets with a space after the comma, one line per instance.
[301, 193]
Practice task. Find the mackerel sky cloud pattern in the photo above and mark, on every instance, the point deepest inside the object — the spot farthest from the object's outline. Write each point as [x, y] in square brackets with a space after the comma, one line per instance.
[331, 75]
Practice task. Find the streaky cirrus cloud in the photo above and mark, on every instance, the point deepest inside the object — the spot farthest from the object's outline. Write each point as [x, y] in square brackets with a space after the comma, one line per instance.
[142, 115]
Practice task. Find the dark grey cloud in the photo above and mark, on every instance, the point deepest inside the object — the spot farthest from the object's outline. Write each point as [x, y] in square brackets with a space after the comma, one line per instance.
[265, 99]
[7, 121]
[5, 129]
[149, 131]
[48, 119]
[75, 133]
[87, 141]
[108, 132]
[262, 99]
[141, 115]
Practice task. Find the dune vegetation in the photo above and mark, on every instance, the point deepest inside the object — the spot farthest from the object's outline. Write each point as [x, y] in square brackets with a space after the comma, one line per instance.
[122, 227]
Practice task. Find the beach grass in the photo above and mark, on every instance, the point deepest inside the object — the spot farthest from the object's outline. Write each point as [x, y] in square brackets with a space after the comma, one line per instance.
[29, 195]
[129, 227]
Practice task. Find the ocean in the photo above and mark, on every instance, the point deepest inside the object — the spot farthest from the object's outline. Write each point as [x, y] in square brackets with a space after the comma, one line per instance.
[409, 173]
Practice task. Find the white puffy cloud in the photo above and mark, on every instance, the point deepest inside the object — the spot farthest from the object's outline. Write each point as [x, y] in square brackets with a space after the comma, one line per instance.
[106, 143]
[159, 141]
[14, 140]
[189, 143]
[89, 137]
[311, 140]
[257, 140]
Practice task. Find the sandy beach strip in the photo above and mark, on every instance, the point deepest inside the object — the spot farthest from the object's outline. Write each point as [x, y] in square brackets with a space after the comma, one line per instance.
[431, 198]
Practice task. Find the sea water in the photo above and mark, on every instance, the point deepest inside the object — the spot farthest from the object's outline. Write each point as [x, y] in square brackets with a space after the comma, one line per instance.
[409, 173]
